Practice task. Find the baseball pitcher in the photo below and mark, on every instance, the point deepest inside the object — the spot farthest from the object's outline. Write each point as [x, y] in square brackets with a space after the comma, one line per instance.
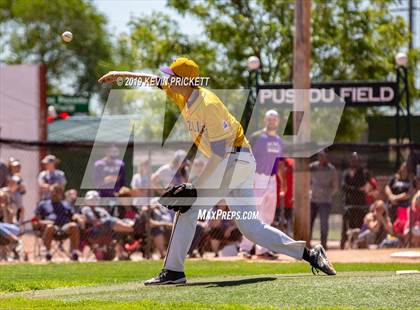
[228, 175]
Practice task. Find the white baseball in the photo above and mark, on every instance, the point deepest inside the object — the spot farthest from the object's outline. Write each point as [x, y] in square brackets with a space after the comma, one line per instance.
[67, 36]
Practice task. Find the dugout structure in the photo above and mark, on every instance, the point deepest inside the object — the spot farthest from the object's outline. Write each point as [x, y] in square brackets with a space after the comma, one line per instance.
[23, 116]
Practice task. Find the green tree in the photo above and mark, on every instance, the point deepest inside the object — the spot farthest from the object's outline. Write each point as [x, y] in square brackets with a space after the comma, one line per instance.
[32, 29]
[154, 40]
[351, 40]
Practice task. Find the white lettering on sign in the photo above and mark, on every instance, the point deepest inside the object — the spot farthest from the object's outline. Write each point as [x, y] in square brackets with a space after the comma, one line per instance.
[361, 94]
[346, 92]
[366, 94]
[287, 96]
[265, 94]
[325, 95]
[387, 94]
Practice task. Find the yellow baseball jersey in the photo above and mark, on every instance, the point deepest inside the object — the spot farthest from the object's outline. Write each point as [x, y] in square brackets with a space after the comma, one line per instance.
[209, 116]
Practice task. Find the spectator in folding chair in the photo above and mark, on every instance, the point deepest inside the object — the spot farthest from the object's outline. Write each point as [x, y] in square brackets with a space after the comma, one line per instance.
[54, 217]
[100, 227]
[99, 217]
[132, 215]
[376, 226]
[124, 208]
[50, 176]
[399, 237]
[9, 232]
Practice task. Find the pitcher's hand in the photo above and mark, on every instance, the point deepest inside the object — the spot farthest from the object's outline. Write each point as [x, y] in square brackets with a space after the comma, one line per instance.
[111, 77]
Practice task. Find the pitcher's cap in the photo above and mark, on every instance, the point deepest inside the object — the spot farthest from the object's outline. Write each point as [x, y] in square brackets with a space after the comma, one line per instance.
[182, 67]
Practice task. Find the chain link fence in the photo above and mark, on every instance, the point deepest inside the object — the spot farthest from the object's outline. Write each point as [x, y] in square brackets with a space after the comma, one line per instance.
[134, 225]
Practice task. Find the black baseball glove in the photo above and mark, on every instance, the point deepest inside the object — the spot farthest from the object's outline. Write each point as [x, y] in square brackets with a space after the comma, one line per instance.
[179, 197]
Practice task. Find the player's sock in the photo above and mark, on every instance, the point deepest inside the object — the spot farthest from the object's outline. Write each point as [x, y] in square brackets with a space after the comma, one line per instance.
[306, 255]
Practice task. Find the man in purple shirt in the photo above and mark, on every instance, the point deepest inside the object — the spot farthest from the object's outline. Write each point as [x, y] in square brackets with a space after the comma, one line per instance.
[267, 148]
[109, 173]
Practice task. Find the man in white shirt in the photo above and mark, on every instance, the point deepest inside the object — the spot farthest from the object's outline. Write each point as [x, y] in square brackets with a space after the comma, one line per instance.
[168, 174]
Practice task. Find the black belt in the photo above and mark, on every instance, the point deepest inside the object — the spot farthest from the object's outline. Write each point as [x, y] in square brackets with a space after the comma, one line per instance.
[238, 149]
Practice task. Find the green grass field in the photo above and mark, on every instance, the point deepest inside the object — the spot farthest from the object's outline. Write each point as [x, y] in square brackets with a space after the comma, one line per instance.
[212, 285]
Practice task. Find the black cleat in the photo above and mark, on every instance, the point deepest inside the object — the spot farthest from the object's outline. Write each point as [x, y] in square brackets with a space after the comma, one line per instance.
[319, 261]
[75, 257]
[48, 256]
[167, 277]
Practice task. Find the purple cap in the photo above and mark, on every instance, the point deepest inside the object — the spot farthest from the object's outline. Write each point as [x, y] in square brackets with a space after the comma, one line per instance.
[167, 70]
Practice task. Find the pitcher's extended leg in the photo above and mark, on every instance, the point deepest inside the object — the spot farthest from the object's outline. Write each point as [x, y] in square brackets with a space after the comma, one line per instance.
[263, 234]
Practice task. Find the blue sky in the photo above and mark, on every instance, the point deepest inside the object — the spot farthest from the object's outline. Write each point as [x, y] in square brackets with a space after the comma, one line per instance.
[119, 12]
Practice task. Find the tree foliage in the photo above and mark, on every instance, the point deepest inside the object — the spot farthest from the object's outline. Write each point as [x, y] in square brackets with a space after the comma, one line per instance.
[351, 40]
[155, 40]
[32, 29]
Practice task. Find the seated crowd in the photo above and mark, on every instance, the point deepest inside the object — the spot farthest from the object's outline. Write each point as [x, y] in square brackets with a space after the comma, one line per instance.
[380, 217]
[129, 222]
[108, 230]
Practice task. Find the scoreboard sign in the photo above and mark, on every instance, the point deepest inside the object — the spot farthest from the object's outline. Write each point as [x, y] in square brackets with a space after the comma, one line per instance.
[355, 94]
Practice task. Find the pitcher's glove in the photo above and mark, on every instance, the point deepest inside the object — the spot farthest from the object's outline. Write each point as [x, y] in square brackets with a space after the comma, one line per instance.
[179, 197]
